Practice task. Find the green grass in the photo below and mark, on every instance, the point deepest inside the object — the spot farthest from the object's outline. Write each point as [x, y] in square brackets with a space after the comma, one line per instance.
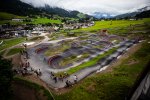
[73, 59]
[115, 24]
[13, 51]
[35, 86]
[58, 50]
[7, 19]
[36, 38]
[7, 16]
[113, 85]
[89, 63]
[11, 42]
[45, 20]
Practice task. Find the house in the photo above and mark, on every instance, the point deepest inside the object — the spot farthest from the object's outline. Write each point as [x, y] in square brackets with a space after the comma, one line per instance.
[17, 20]
[35, 33]
[132, 19]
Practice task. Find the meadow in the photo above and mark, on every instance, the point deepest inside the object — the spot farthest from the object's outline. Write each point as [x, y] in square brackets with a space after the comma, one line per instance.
[44, 21]
[113, 26]
[7, 18]
[11, 42]
[14, 51]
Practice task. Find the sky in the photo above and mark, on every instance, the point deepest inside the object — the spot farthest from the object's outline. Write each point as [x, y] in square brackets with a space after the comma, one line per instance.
[115, 7]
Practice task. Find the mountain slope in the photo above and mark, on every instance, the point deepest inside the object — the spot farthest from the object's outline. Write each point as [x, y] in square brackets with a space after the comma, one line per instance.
[7, 16]
[133, 14]
[18, 8]
[64, 13]
[144, 14]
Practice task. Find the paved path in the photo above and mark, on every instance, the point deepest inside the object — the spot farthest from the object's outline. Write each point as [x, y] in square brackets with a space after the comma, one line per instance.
[38, 63]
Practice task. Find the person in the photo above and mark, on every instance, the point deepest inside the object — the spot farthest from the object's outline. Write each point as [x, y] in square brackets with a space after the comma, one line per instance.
[36, 72]
[61, 78]
[75, 78]
[20, 63]
[66, 74]
[39, 72]
[52, 75]
[68, 83]
[55, 79]
[32, 69]
[44, 59]
[28, 64]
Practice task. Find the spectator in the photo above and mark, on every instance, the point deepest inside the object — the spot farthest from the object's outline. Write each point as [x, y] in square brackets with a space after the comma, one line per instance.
[39, 72]
[68, 83]
[75, 78]
[61, 78]
[52, 74]
[55, 79]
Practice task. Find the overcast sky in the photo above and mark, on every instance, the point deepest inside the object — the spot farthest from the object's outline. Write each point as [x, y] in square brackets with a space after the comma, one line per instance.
[91, 6]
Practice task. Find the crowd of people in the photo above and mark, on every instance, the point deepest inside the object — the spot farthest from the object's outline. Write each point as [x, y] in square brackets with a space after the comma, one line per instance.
[26, 69]
[62, 79]
[24, 65]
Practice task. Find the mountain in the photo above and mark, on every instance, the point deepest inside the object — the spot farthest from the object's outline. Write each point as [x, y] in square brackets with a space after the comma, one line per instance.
[18, 7]
[133, 14]
[144, 9]
[102, 15]
[144, 14]
[64, 13]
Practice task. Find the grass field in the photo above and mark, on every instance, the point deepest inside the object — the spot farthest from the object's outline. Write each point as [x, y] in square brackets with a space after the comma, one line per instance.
[11, 42]
[45, 20]
[73, 59]
[35, 21]
[114, 85]
[7, 16]
[121, 24]
[13, 51]
[55, 51]
[36, 38]
[59, 49]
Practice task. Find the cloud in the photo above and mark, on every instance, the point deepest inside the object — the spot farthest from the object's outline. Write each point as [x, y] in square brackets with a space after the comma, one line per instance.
[91, 6]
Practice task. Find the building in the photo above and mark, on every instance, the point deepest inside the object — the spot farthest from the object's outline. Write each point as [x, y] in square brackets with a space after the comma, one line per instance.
[17, 20]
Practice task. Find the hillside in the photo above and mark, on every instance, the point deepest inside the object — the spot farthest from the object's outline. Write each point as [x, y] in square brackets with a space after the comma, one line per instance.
[137, 13]
[133, 14]
[18, 8]
[144, 14]
[7, 16]
[23, 9]
[64, 13]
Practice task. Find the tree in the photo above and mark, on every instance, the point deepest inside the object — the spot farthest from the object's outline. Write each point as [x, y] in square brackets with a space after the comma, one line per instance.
[6, 77]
